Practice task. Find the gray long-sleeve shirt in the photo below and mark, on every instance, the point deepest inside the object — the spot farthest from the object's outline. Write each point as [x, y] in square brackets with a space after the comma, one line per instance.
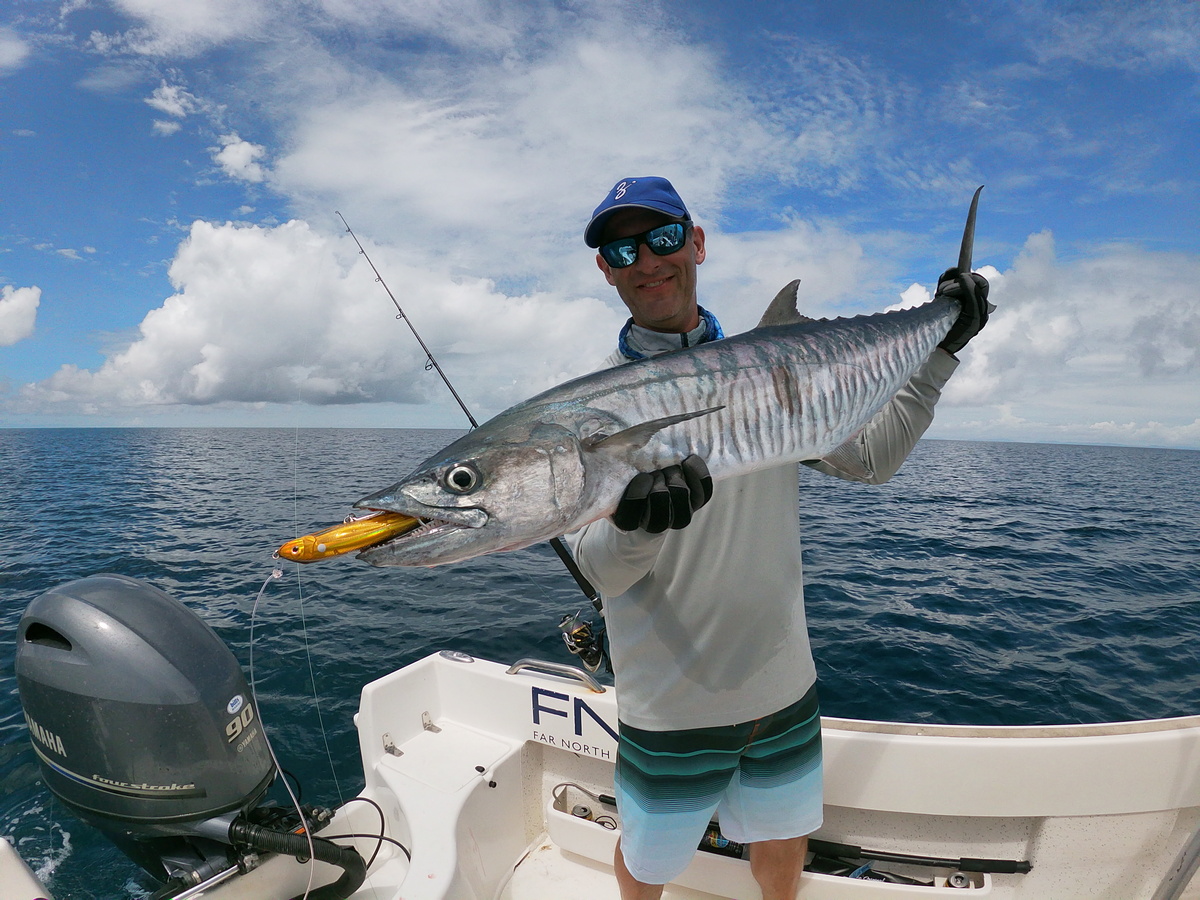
[706, 624]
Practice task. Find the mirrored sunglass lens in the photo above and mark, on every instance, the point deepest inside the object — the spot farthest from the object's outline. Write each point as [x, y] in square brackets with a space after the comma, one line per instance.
[621, 253]
[665, 239]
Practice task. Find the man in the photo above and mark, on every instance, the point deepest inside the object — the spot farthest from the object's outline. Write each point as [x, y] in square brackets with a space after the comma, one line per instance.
[704, 601]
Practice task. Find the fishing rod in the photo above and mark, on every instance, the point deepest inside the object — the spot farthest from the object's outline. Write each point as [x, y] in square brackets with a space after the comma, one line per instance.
[430, 362]
[569, 633]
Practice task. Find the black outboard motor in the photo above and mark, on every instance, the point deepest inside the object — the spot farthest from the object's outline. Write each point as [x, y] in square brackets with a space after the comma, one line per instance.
[141, 718]
[144, 727]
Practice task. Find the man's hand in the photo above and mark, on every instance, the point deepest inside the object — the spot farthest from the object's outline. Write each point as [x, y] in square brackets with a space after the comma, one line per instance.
[656, 501]
[971, 291]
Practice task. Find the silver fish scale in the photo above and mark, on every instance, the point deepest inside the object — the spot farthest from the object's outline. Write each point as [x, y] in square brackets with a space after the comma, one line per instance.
[788, 392]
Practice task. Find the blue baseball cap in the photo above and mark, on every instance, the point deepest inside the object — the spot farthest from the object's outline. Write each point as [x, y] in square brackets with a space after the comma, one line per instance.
[648, 193]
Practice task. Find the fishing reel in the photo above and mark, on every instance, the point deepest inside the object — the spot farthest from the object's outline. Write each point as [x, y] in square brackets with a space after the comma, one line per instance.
[584, 641]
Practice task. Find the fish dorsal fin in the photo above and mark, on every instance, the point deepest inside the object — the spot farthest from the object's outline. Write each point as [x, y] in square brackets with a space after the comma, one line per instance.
[782, 310]
[636, 436]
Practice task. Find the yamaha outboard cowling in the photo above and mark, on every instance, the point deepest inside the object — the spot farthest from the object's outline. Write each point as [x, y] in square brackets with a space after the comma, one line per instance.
[141, 718]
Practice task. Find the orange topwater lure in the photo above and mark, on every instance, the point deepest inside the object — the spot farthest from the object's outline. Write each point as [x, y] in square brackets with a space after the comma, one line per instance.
[353, 534]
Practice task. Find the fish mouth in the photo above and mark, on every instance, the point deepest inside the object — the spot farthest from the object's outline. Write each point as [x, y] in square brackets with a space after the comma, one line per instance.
[429, 528]
[437, 523]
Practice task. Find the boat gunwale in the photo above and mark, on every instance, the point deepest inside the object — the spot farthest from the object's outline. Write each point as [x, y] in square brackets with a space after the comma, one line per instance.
[1099, 729]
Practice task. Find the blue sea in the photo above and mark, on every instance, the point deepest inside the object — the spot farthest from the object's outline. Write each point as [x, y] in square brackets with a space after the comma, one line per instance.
[988, 583]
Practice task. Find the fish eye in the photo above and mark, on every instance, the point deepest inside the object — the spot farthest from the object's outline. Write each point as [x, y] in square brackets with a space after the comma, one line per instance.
[461, 478]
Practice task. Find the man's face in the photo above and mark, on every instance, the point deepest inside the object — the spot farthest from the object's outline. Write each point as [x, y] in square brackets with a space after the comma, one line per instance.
[660, 291]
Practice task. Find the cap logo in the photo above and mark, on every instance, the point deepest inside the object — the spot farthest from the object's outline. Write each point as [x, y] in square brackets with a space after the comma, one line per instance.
[622, 188]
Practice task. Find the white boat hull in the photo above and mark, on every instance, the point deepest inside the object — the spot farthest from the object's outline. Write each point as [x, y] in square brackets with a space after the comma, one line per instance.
[469, 763]
[1099, 811]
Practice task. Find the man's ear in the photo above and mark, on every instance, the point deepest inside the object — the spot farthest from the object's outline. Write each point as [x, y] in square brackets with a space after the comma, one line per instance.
[606, 269]
[698, 240]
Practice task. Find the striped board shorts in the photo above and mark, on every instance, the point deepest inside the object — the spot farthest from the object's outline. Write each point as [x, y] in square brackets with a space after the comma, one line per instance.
[761, 779]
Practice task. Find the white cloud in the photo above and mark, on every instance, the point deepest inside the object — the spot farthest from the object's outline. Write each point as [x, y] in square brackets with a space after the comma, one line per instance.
[1108, 342]
[286, 314]
[498, 161]
[13, 51]
[67, 7]
[474, 25]
[280, 315]
[174, 100]
[744, 271]
[188, 27]
[914, 295]
[239, 159]
[165, 128]
[18, 313]
[841, 111]
[1147, 35]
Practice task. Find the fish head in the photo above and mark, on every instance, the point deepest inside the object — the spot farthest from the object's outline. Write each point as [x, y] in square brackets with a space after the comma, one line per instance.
[493, 489]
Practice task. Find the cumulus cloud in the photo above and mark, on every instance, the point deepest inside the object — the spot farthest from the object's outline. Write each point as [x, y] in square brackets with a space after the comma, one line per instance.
[284, 314]
[287, 314]
[240, 159]
[1102, 340]
[18, 313]
[744, 271]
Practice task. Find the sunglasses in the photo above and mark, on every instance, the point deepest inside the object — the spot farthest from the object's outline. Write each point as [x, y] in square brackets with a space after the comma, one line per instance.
[662, 241]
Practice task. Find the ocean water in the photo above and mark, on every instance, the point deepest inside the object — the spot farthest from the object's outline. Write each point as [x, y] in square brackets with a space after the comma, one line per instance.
[986, 583]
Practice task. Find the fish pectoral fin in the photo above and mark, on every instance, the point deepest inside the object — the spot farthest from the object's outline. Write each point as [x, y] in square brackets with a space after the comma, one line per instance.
[846, 458]
[782, 310]
[635, 437]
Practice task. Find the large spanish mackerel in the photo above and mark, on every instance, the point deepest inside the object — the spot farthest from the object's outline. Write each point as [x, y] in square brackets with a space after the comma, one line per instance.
[791, 389]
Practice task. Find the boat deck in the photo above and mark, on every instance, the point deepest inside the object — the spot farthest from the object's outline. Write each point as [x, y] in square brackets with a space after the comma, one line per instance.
[551, 873]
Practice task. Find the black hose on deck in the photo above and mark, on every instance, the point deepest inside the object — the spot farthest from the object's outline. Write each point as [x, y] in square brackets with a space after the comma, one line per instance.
[354, 870]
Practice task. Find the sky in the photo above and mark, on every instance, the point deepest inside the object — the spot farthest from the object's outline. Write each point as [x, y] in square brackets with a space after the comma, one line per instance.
[171, 174]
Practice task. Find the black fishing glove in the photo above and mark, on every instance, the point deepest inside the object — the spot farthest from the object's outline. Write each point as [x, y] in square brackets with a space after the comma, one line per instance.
[971, 291]
[656, 501]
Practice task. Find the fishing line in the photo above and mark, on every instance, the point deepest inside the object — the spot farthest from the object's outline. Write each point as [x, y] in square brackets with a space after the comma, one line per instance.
[277, 573]
[300, 595]
[337, 787]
